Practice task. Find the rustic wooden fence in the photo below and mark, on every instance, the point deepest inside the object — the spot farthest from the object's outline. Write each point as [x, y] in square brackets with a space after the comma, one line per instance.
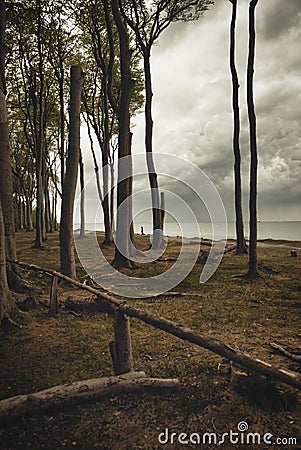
[121, 351]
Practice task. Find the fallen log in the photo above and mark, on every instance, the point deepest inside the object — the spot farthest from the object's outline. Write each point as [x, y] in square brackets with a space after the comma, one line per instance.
[215, 345]
[284, 352]
[88, 391]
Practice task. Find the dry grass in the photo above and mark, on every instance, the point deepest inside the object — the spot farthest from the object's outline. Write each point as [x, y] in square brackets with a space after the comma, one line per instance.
[246, 315]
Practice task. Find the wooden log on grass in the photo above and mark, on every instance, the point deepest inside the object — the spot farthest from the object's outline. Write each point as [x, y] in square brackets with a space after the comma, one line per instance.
[80, 392]
[215, 345]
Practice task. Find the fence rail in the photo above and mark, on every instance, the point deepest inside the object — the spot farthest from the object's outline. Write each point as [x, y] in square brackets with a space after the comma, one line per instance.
[122, 360]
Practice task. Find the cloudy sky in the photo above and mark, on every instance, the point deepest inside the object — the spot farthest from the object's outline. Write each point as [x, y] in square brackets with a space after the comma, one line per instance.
[193, 111]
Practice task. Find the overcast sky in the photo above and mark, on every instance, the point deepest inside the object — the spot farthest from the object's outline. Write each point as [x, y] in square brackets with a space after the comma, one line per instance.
[193, 110]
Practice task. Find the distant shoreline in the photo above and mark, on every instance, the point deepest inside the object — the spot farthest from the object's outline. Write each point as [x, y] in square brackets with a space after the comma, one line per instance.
[266, 242]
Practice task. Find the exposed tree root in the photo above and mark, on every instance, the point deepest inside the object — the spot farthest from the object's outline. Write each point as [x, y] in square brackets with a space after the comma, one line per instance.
[15, 282]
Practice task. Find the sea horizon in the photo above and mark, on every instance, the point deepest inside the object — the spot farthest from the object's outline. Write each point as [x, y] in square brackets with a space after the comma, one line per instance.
[277, 230]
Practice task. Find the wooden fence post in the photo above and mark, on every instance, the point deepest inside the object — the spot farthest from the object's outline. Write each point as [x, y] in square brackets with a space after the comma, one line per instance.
[53, 304]
[121, 348]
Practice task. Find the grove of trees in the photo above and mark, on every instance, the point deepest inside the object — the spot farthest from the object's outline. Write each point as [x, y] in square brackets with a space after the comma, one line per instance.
[106, 46]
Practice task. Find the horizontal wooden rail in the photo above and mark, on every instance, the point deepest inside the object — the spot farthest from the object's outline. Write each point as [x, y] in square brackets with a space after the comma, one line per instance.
[110, 304]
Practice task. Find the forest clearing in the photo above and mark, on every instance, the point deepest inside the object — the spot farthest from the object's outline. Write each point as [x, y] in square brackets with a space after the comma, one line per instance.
[150, 115]
[213, 395]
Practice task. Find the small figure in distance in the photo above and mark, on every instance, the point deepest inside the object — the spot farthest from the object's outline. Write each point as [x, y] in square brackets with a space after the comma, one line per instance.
[142, 231]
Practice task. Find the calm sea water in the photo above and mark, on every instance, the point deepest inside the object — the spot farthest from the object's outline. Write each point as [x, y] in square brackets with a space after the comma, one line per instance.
[266, 230]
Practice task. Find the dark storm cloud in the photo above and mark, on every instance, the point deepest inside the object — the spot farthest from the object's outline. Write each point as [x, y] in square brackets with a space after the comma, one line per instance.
[278, 17]
[193, 112]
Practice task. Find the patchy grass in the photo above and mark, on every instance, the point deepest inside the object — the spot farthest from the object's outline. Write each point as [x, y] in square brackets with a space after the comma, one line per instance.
[247, 315]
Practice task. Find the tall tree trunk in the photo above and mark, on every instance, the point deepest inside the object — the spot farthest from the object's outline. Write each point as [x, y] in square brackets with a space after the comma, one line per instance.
[29, 224]
[7, 305]
[54, 215]
[21, 209]
[40, 141]
[6, 182]
[39, 223]
[153, 178]
[105, 166]
[82, 233]
[240, 238]
[122, 252]
[253, 270]
[48, 219]
[67, 257]
[112, 193]
[62, 122]
[7, 229]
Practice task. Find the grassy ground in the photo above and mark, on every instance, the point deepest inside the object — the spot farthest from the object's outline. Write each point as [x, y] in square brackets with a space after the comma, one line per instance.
[247, 315]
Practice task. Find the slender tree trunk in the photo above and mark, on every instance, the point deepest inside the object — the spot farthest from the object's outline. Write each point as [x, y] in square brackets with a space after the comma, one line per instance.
[40, 142]
[62, 123]
[105, 167]
[240, 238]
[44, 184]
[39, 223]
[122, 253]
[48, 226]
[7, 305]
[6, 181]
[54, 215]
[25, 220]
[153, 178]
[67, 257]
[162, 206]
[253, 271]
[82, 233]
[112, 192]
[21, 219]
[29, 224]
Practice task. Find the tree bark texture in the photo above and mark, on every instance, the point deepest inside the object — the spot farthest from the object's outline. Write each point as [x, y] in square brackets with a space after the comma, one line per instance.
[240, 238]
[67, 257]
[253, 272]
